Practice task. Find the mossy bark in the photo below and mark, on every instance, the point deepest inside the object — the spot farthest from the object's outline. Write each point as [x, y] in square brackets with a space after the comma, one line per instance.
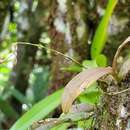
[115, 108]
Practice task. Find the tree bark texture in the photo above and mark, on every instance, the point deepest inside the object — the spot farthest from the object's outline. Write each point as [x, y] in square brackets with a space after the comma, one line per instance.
[68, 32]
[115, 108]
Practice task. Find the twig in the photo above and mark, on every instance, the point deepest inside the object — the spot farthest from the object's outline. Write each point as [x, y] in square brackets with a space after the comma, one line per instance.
[116, 93]
[52, 50]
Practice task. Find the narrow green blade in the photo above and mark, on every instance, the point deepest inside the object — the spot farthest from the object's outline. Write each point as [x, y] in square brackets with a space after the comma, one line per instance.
[100, 36]
[38, 111]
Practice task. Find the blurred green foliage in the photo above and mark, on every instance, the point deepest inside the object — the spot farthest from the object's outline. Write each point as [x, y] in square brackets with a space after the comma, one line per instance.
[39, 79]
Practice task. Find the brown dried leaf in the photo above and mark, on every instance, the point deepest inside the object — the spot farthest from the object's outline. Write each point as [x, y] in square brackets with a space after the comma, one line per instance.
[114, 64]
[77, 85]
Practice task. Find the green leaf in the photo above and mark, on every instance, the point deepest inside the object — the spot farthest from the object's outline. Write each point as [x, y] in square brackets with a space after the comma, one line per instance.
[72, 68]
[63, 126]
[19, 96]
[39, 80]
[89, 64]
[91, 95]
[100, 36]
[101, 60]
[38, 111]
[86, 124]
[12, 27]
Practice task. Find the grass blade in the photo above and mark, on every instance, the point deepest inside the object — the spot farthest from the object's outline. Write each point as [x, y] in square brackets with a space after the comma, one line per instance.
[100, 36]
[38, 111]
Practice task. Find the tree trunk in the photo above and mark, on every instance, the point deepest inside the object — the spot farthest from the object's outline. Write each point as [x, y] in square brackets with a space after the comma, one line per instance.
[66, 19]
[114, 113]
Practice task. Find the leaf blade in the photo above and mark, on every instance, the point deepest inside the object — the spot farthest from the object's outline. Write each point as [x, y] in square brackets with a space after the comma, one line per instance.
[74, 88]
[100, 36]
[38, 111]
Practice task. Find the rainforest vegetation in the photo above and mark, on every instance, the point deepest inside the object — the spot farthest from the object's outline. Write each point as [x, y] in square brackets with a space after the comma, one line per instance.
[65, 64]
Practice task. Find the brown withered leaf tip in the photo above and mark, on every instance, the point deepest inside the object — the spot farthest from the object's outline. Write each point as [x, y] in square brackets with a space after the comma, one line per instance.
[77, 85]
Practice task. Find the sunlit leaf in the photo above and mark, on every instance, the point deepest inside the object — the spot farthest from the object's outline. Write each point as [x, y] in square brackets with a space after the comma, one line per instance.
[77, 85]
[72, 68]
[100, 36]
[38, 111]
[101, 60]
[89, 64]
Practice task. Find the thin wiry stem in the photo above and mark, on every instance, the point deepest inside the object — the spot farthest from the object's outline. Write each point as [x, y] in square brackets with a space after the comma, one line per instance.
[116, 93]
[52, 50]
